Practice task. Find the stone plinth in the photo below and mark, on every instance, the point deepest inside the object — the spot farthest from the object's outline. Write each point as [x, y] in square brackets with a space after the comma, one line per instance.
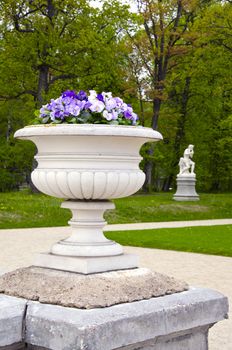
[12, 315]
[173, 322]
[87, 292]
[186, 188]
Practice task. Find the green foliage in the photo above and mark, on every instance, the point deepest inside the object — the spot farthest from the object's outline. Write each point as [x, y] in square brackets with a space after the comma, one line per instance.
[71, 45]
[15, 163]
[201, 115]
[48, 47]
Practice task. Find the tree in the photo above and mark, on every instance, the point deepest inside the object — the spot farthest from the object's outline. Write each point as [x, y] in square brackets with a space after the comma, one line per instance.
[165, 36]
[52, 41]
[47, 46]
[199, 98]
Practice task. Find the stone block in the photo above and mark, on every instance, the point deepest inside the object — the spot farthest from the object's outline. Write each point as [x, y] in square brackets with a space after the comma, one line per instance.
[193, 339]
[17, 346]
[12, 313]
[174, 322]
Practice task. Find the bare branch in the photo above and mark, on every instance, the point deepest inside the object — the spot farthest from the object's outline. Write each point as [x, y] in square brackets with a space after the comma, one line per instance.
[62, 77]
[141, 54]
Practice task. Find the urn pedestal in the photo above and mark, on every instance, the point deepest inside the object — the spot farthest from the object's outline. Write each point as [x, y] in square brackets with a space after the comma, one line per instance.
[88, 165]
[173, 322]
[186, 188]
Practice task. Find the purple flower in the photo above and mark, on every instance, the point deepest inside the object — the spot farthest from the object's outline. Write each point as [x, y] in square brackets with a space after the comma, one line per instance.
[73, 109]
[58, 114]
[69, 93]
[87, 105]
[81, 96]
[50, 106]
[124, 107]
[119, 101]
[100, 97]
[134, 118]
[127, 114]
[80, 104]
[44, 111]
[72, 104]
[114, 114]
[111, 104]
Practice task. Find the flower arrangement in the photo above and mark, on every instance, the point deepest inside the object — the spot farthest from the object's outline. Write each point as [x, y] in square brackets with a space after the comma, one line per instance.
[80, 108]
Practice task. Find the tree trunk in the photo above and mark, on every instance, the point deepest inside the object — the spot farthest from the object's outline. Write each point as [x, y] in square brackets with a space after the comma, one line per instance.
[180, 126]
[148, 167]
[42, 83]
[167, 183]
[42, 88]
[141, 107]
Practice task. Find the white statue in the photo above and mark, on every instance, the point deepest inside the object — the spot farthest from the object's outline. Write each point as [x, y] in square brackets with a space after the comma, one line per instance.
[186, 164]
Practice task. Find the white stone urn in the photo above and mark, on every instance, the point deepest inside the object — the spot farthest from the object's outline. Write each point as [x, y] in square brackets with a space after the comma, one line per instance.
[88, 165]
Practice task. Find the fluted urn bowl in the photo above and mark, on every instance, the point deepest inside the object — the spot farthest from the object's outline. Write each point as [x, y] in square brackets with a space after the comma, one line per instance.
[88, 161]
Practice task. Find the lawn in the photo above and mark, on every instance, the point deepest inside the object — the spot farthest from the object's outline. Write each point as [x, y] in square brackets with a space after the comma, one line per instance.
[215, 240]
[23, 209]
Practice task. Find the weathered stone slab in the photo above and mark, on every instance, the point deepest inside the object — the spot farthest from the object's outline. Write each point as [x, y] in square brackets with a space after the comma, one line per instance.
[88, 291]
[17, 346]
[192, 339]
[12, 312]
[172, 322]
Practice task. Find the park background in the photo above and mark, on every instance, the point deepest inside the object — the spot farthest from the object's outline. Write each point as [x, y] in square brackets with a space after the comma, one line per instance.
[170, 59]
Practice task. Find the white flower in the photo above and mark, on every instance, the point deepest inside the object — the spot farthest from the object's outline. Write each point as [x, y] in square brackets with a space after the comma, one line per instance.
[107, 95]
[93, 96]
[93, 93]
[97, 106]
[107, 115]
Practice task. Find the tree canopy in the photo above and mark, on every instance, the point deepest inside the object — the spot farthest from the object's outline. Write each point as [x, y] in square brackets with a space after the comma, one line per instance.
[171, 60]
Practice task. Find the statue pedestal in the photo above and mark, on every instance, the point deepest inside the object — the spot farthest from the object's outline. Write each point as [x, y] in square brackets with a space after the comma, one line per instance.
[186, 188]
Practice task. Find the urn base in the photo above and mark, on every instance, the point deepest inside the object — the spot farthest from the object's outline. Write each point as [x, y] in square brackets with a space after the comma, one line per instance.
[86, 265]
[87, 250]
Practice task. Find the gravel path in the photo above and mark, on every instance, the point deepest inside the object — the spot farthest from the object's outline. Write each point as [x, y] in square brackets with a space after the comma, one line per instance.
[18, 247]
[170, 224]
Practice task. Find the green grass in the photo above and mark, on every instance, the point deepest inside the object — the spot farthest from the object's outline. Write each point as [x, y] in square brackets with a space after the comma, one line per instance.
[161, 207]
[23, 209]
[215, 240]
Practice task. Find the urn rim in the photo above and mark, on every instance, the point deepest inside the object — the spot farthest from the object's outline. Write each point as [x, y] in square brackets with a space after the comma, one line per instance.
[88, 130]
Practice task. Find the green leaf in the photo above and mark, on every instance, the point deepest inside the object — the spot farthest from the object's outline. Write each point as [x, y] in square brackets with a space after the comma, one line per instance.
[114, 122]
[45, 120]
[37, 113]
